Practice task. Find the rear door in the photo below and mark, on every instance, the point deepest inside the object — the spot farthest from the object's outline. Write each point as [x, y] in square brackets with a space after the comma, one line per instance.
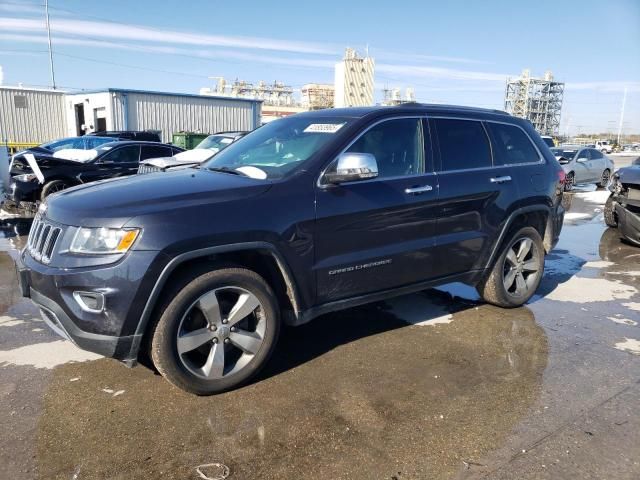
[475, 195]
[377, 234]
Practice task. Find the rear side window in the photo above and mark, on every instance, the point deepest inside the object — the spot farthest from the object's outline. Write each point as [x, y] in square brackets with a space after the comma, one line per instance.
[154, 152]
[463, 144]
[397, 146]
[595, 154]
[512, 145]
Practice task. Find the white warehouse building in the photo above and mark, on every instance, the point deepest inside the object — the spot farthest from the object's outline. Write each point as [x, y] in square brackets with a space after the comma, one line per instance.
[31, 116]
[168, 113]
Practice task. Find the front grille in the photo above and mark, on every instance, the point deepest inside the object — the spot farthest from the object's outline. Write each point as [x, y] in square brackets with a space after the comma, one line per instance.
[42, 240]
[143, 168]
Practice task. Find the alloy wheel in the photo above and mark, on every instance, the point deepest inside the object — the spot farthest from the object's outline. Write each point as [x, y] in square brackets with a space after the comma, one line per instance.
[569, 182]
[221, 333]
[521, 267]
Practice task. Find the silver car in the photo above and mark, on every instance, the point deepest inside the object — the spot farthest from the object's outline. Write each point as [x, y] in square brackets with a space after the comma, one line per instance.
[583, 165]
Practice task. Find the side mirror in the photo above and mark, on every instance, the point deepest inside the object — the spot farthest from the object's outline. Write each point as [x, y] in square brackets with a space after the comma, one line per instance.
[582, 159]
[351, 167]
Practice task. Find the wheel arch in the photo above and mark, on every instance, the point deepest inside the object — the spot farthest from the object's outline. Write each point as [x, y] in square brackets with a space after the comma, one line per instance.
[536, 216]
[261, 257]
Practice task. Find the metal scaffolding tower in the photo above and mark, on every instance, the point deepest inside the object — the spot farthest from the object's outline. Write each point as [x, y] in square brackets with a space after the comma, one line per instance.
[537, 99]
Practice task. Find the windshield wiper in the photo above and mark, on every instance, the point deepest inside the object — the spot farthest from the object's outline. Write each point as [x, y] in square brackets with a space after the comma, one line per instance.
[227, 170]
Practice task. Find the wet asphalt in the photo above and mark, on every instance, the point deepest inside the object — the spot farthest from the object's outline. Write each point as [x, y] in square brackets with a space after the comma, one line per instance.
[431, 385]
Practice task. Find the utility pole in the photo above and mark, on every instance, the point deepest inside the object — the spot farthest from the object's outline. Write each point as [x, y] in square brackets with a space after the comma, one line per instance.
[53, 75]
[624, 101]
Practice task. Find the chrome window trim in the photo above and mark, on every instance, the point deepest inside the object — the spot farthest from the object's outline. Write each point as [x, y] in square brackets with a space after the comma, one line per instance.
[541, 160]
[322, 186]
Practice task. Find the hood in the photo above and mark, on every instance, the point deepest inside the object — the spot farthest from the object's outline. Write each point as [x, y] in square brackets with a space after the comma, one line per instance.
[76, 154]
[629, 174]
[43, 160]
[112, 203]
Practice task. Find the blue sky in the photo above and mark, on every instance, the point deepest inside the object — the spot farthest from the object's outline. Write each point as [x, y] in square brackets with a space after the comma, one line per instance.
[456, 51]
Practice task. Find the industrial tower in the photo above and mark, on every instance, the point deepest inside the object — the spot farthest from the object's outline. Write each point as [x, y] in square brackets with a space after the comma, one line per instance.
[537, 99]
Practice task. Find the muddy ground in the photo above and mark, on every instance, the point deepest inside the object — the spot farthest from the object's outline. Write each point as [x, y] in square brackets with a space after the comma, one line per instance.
[427, 386]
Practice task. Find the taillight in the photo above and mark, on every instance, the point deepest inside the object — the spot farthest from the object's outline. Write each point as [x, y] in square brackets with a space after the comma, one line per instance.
[561, 175]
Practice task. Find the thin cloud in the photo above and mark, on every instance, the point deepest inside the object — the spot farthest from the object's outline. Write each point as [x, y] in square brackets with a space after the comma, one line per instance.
[605, 86]
[168, 50]
[416, 57]
[147, 34]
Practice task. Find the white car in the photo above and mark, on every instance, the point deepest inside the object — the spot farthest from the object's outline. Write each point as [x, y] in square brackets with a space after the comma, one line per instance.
[604, 146]
[206, 149]
[583, 165]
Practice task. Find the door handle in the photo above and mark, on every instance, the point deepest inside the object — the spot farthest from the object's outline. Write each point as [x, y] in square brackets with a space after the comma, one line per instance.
[503, 179]
[412, 190]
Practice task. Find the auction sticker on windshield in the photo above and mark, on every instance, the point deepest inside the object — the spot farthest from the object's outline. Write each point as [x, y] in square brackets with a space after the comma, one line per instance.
[323, 128]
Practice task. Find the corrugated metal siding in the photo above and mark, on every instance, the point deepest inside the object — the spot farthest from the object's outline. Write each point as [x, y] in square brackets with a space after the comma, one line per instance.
[172, 114]
[42, 120]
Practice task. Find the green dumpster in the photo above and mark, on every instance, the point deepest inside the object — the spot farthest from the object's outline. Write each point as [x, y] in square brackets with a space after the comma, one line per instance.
[188, 140]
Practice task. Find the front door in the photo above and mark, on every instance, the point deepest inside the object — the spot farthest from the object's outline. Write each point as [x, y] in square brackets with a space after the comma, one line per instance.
[581, 166]
[475, 195]
[377, 234]
[118, 162]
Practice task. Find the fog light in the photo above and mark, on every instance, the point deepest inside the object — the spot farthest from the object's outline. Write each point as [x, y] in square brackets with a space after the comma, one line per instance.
[91, 302]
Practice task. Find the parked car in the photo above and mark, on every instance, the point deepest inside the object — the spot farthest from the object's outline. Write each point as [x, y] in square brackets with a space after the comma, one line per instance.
[584, 165]
[79, 143]
[140, 135]
[203, 151]
[66, 168]
[306, 215]
[548, 140]
[622, 210]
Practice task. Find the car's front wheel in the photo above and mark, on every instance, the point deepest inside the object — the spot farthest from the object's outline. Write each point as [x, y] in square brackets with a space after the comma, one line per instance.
[217, 332]
[53, 187]
[610, 217]
[516, 274]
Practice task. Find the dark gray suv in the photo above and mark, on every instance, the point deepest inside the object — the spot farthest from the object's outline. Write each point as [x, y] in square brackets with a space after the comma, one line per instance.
[320, 211]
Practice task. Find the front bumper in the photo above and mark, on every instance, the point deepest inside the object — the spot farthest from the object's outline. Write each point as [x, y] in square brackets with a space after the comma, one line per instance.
[23, 191]
[111, 332]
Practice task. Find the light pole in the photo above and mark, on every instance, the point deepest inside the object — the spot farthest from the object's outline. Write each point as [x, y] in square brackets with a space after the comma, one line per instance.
[624, 101]
[53, 75]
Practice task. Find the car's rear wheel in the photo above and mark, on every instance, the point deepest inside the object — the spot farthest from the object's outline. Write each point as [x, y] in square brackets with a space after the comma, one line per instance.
[217, 332]
[610, 217]
[518, 271]
[52, 187]
[569, 181]
[605, 178]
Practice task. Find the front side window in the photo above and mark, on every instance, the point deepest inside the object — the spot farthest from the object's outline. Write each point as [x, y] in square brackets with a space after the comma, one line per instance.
[274, 150]
[512, 145]
[583, 154]
[463, 144]
[397, 146]
[126, 154]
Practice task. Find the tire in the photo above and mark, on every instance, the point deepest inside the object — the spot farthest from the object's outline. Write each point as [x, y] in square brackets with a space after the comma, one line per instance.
[218, 364]
[496, 287]
[605, 178]
[610, 217]
[569, 181]
[52, 187]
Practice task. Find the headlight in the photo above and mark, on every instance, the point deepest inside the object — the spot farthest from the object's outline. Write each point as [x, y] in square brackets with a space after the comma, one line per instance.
[101, 241]
[25, 177]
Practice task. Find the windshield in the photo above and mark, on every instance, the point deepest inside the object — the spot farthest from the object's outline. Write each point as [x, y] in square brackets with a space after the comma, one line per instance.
[215, 142]
[63, 143]
[564, 153]
[277, 148]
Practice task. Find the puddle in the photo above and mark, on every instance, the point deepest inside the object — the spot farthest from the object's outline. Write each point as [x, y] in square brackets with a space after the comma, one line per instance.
[45, 355]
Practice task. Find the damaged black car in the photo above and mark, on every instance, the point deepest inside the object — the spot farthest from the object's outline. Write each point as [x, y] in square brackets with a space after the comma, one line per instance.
[622, 210]
[34, 176]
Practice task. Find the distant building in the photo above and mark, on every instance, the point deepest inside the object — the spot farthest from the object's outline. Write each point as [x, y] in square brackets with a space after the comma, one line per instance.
[167, 113]
[354, 81]
[31, 115]
[393, 96]
[316, 96]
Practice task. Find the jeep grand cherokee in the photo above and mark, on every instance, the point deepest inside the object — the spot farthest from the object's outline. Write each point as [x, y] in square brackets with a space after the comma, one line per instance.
[320, 211]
